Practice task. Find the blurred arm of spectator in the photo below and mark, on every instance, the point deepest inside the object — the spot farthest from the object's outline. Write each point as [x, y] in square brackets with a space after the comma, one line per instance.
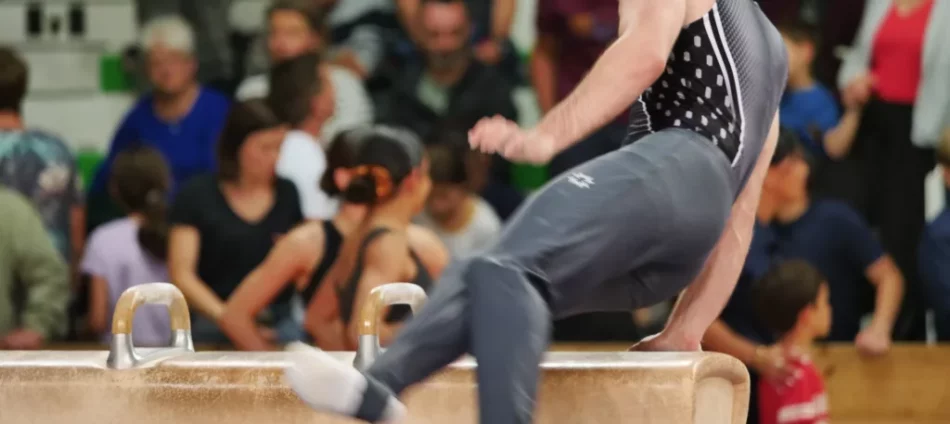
[543, 70]
[769, 361]
[39, 268]
[491, 50]
[887, 279]
[838, 140]
[432, 252]
[184, 245]
[854, 79]
[362, 51]
[323, 322]
[864, 251]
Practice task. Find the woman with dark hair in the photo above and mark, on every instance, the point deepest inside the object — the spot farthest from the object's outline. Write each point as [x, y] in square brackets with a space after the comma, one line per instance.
[224, 224]
[304, 256]
[132, 250]
[391, 178]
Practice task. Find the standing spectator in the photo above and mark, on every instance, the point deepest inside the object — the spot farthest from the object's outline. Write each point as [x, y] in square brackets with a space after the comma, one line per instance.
[39, 165]
[211, 19]
[224, 224]
[29, 264]
[792, 301]
[935, 255]
[131, 251]
[451, 86]
[898, 67]
[572, 34]
[302, 96]
[832, 237]
[179, 117]
[491, 22]
[295, 27]
[808, 107]
[464, 221]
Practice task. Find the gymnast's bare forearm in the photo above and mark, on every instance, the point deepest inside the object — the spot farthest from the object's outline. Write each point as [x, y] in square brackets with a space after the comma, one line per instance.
[648, 31]
[703, 301]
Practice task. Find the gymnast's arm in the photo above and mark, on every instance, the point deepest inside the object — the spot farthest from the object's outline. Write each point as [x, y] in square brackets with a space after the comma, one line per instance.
[648, 30]
[703, 301]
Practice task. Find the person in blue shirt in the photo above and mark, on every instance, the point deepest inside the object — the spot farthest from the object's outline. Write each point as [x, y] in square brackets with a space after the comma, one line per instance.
[934, 255]
[833, 238]
[808, 107]
[179, 117]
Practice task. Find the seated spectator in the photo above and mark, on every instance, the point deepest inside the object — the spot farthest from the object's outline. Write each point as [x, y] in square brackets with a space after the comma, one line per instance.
[491, 30]
[179, 117]
[31, 272]
[464, 221]
[451, 85]
[358, 31]
[808, 107]
[224, 224]
[792, 301]
[302, 96]
[131, 251]
[39, 165]
[935, 255]
[392, 179]
[572, 35]
[306, 254]
[834, 239]
[296, 27]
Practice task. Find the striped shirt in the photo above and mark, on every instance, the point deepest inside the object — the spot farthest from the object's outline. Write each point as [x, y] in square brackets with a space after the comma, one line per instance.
[724, 80]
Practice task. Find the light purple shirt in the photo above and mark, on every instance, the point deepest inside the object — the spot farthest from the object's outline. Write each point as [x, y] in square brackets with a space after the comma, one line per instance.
[114, 254]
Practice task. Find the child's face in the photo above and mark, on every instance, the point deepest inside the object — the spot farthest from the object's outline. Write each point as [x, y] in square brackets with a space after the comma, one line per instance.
[820, 313]
[800, 56]
[445, 200]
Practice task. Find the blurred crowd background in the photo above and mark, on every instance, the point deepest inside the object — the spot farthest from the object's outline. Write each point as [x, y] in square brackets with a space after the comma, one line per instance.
[220, 145]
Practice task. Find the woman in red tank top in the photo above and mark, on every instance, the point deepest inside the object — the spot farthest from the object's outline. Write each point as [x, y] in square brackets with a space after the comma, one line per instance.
[894, 168]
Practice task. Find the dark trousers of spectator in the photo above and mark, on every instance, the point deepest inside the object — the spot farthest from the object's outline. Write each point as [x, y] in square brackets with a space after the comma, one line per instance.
[605, 140]
[894, 170]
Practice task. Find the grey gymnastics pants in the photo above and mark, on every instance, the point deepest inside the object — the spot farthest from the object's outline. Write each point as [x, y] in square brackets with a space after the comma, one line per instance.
[625, 230]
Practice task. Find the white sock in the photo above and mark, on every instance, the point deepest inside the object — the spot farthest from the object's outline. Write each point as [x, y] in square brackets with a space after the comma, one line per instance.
[326, 384]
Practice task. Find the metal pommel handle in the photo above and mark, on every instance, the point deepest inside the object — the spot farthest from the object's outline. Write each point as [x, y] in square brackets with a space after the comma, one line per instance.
[370, 313]
[122, 354]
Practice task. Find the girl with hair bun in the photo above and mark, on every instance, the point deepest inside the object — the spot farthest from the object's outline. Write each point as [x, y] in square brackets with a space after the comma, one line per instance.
[132, 250]
[391, 178]
[305, 256]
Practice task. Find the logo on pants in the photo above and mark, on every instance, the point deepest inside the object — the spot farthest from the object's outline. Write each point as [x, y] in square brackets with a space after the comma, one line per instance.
[580, 179]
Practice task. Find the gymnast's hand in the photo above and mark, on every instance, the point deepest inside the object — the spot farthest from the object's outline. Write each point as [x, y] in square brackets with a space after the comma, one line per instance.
[499, 135]
[662, 342]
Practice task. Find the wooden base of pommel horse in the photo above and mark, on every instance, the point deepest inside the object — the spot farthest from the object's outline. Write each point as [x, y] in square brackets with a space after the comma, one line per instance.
[177, 385]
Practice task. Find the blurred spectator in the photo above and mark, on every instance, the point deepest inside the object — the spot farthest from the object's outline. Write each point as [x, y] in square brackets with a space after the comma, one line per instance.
[572, 34]
[296, 27]
[392, 179]
[34, 280]
[491, 22]
[464, 221]
[831, 237]
[358, 31]
[306, 254]
[131, 251]
[897, 66]
[179, 117]
[224, 224]
[451, 86]
[302, 96]
[808, 107]
[39, 165]
[935, 255]
[211, 20]
[792, 301]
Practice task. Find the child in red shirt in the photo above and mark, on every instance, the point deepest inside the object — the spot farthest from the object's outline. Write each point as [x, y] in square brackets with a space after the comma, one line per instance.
[792, 300]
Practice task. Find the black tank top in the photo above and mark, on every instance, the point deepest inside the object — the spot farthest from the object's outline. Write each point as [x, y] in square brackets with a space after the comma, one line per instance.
[347, 294]
[723, 80]
[332, 241]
